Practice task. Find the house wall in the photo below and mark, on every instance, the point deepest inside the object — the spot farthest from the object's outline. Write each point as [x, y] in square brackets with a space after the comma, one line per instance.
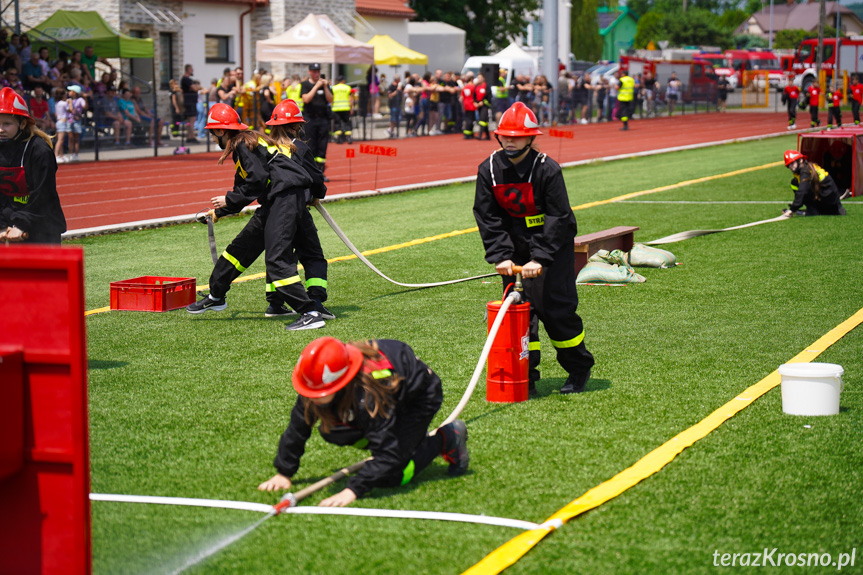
[397, 29]
[200, 20]
[620, 37]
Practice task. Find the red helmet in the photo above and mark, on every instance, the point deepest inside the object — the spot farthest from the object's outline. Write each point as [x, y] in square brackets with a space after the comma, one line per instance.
[792, 156]
[286, 112]
[12, 103]
[518, 121]
[224, 117]
[326, 366]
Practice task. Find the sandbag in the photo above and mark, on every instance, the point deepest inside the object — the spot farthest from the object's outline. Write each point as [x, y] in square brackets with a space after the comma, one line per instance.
[604, 273]
[616, 257]
[649, 257]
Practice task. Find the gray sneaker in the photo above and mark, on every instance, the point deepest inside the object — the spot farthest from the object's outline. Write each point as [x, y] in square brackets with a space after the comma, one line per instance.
[309, 320]
[454, 449]
[207, 303]
[278, 311]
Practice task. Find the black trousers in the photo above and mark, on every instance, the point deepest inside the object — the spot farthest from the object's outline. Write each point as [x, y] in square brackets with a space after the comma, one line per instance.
[483, 123]
[855, 110]
[792, 110]
[467, 125]
[342, 123]
[271, 229]
[554, 301]
[834, 113]
[813, 115]
[307, 246]
[318, 132]
[625, 110]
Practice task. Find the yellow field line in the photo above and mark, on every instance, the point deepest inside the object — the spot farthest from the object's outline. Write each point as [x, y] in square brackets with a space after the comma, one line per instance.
[513, 550]
[455, 233]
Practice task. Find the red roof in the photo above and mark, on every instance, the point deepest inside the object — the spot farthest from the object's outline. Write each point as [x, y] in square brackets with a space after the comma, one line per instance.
[391, 8]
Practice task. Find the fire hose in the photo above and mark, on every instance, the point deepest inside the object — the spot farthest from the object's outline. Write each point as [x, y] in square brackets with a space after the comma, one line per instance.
[326, 215]
[292, 499]
[680, 236]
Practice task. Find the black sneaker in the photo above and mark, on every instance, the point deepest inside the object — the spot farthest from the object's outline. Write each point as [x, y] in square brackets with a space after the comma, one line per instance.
[575, 383]
[309, 320]
[325, 313]
[207, 303]
[454, 449]
[278, 311]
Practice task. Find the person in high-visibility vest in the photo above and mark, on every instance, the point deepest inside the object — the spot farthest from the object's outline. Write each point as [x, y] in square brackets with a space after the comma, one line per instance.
[294, 89]
[343, 105]
[501, 95]
[625, 98]
[812, 187]
[375, 395]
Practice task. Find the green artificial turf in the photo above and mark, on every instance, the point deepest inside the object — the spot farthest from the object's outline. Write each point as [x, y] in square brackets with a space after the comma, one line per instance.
[192, 406]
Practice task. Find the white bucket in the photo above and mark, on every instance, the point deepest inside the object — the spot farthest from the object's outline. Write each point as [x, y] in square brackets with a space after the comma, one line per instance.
[811, 388]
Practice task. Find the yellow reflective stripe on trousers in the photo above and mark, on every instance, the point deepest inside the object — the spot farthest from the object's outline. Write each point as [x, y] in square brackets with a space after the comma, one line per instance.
[408, 472]
[282, 283]
[533, 346]
[320, 160]
[233, 261]
[316, 282]
[570, 342]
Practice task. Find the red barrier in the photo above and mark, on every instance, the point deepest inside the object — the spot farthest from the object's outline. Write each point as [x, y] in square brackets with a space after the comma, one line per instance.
[45, 518]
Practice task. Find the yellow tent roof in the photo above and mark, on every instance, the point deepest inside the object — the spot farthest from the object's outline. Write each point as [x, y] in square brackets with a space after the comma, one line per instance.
[389, 52]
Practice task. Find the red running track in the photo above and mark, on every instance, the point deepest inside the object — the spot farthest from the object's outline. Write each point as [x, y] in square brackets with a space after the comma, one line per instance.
[116, 192]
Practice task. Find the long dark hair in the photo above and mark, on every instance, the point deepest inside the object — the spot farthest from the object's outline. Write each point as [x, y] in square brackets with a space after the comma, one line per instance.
[250, 138]
[379, 394]
[811, 170]
[284, 134]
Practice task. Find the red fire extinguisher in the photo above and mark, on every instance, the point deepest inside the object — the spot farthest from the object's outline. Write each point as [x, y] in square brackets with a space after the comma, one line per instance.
[507, 367]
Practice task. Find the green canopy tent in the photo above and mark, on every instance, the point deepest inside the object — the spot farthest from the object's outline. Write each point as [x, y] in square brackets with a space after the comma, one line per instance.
[81, 29]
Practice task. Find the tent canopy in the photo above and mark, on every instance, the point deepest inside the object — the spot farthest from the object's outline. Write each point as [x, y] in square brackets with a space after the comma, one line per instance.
[515, 52]
[81, 29]
[315, 39]
[391, 53]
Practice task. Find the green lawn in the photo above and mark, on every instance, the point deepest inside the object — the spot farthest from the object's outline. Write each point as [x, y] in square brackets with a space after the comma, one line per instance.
[192, 406]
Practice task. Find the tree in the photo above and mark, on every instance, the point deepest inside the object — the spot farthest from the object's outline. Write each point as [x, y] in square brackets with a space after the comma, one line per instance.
[791, 38]
[651, 28]
[746, 41]
[488, 24]
[697, 27]
[731, 19]
[586, 41]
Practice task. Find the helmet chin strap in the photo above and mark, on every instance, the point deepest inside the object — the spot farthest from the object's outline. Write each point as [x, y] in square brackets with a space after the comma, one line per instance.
[515, 153]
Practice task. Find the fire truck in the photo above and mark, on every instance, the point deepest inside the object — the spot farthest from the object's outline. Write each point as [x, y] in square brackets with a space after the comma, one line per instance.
[697, 76]
[850, 56]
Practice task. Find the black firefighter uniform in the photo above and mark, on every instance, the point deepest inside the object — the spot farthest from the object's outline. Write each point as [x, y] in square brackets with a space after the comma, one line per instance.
[269, 175]
[523, 214]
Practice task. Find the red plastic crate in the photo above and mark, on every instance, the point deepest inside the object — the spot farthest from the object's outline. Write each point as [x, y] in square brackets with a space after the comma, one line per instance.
[152, 293]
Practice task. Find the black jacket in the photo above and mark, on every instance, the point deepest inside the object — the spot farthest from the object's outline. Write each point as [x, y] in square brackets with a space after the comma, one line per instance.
[506, 237]
[39, 214]
[306, 159]
[420, 391]
[803, 185]
[262, 174]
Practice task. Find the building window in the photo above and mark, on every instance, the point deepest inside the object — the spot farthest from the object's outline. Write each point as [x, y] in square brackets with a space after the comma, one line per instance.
[166, 59]
[217, 49]
[536, 33]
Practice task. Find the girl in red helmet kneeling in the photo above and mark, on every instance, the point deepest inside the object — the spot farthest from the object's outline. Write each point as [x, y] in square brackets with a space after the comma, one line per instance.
[813, 187]
[267, 174]
[29, 205]
[376, 395]
[524, 217]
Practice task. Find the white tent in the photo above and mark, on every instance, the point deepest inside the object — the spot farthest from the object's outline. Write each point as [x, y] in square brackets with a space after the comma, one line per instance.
[315, 39]
[514, 52]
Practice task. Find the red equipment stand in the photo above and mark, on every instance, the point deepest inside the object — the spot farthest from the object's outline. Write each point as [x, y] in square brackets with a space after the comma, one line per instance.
[838, 151]
[44, 459]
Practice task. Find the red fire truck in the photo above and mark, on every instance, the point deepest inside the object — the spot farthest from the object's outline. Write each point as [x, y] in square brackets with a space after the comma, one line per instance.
[850, 56]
